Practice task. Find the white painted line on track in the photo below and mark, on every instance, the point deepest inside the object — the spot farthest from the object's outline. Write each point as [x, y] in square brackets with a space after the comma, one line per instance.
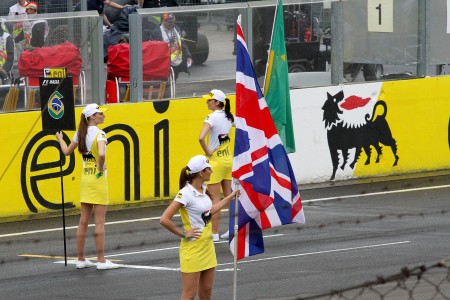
[72, 262]
[174, 248]
[143, 251]
[149, 267]
[75, 227]
[320, 252]
[377, 193]
[224, 210]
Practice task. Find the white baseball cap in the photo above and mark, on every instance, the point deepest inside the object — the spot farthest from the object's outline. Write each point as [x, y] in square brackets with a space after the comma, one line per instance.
[197, 164]
[215, 94]
[31, 5]
[93, 108]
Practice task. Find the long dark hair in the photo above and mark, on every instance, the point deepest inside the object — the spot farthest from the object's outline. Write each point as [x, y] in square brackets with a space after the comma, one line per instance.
[186, 177]
[227, 108]
[82, 132]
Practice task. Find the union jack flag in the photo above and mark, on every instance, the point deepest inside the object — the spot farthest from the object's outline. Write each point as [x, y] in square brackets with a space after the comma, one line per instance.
[269, 194]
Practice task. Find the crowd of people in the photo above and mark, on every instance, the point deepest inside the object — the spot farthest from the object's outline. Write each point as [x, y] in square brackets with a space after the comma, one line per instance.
[19, 36]
[27, 34]
[165, 30]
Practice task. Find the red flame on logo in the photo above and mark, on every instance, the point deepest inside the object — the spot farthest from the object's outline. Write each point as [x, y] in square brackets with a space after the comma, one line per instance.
[353, 102]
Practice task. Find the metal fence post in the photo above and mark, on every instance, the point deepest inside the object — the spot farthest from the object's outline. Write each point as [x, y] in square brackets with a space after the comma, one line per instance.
[423, 33]
[248, 13]
[337, 42]
[97, 64]
[136, 92]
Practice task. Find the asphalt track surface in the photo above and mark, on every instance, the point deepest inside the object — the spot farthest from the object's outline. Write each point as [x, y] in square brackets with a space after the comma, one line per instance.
[354, 232]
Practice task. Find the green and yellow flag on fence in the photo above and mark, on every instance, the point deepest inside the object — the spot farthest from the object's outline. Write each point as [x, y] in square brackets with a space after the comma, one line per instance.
[276, 83]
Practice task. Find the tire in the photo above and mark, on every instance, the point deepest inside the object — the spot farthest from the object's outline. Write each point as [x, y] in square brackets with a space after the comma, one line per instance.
[201, 53]
[372, 72]
[260, 67]
[297, 68]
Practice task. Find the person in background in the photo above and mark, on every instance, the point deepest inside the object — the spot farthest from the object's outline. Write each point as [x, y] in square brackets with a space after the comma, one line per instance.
[99, 5]
[18, 8]
[157, 3]
[91, 143]
[16, 28]
[119, 31]
[180, 57]
[216, 128]
[197, 254]
[6, 54]
[34, 31]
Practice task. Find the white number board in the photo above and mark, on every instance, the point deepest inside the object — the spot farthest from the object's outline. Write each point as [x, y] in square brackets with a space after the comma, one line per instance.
[380, 15]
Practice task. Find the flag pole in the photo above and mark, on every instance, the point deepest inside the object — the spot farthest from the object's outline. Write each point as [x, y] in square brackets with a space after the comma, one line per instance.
[236, 200]
[235, 229]
[61, 158]
[270, 45]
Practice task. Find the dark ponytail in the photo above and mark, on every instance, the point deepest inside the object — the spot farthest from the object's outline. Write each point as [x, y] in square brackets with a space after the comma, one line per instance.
[82, 132]
[228, 110]
[185, 177]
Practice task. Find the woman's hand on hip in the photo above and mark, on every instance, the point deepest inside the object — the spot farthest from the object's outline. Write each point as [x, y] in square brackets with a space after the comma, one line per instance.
[193, 233]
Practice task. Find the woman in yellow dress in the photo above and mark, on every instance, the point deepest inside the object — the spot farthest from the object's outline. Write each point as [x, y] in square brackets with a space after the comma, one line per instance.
[91, 143]
[215, 141]
[197, 253]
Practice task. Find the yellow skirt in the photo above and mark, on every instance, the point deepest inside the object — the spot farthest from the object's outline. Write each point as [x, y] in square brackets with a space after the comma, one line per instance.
[93, 188]
[199, 254]
[222, 163]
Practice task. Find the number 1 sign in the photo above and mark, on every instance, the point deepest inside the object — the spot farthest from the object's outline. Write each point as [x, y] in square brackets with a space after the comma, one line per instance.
[380, 15]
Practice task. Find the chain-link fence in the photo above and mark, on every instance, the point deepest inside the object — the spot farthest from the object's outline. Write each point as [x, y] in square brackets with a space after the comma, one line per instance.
[417, 283]
[423, 282]
[309, 33]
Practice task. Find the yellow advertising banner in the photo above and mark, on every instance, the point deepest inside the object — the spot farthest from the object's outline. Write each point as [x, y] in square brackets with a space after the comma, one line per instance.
[148, 144]
[403, 128]
[416, 116]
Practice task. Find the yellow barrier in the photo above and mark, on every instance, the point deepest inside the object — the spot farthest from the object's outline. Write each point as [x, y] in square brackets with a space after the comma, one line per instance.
[148, 144]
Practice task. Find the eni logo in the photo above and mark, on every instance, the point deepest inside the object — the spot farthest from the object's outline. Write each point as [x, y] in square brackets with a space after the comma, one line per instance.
[55, 105]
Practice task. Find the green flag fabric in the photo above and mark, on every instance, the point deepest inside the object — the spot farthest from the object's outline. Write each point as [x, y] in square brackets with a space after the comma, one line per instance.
[276, 85]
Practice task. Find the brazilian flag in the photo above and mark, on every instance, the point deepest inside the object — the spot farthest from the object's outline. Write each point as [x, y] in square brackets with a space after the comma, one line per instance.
[276, 84]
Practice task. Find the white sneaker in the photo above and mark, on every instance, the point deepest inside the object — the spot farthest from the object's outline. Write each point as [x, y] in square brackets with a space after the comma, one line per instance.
[226, 235]
[107, 265]
[81, 264]
[215, 237]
